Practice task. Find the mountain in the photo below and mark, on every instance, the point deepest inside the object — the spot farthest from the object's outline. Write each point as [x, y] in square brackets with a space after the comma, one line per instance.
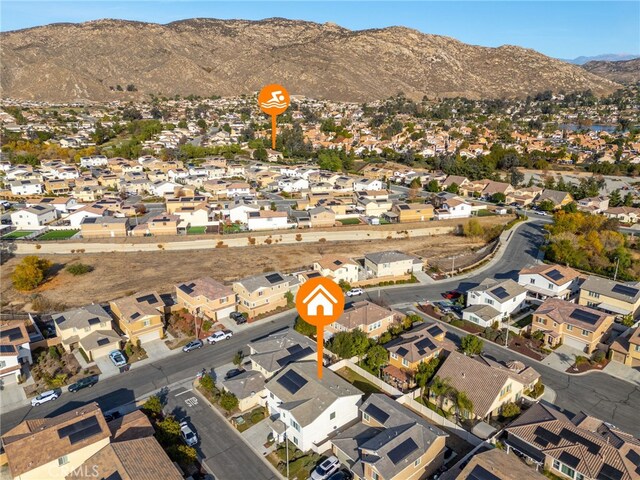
[627, 71]
[64, 62]
[605, 57]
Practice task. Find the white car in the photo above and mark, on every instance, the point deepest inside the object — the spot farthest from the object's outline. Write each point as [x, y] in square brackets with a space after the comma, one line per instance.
[44, 397]
[354, 292]
[117, 358]
[188, 435]
[326, 468]
[219, 336]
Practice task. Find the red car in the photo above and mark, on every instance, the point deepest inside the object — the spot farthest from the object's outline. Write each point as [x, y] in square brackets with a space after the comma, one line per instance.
[451, 294]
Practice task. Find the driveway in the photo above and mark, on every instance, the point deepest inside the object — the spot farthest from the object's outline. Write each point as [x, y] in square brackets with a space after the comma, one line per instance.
[12, 395]
[107, 367]
[256, 436]
[157, 350]
[221, 449]
[562, 357]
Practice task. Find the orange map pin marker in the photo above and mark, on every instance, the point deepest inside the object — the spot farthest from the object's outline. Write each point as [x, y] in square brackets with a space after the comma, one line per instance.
[320, 302]
[273, 100]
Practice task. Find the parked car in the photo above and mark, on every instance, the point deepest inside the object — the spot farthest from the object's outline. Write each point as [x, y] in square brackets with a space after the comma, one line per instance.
[451, 294]
[233, 373]
[326, 469]
[355, 292]
[341, 475]
[219, 336]
[238, 318]
[45, 397]
[117, 358]
[86, 382]
[188, 435]
[192, 345]
[112, 416]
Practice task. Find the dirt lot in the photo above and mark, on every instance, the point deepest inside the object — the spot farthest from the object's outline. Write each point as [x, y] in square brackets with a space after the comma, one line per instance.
[116, 275]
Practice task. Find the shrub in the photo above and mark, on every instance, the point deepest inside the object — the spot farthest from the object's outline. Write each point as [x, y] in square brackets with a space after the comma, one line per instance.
[54, 353]
[510, 410]
[206, 325]
[207, 383]
[298, 237]
[153, 406]
[30, 273]
[598, 356]
[229, 401]
[78, 268]
[301, 326]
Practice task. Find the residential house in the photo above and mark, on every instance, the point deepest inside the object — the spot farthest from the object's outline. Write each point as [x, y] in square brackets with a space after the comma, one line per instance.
[89, 211]
[264, 292]
[15, 350]
[492, 188]
[239, 211]
[206, 296]
[543, 281]
[456, 180]
[579, 448]
[322, 217]
[629, 215]
[625, 349]
[140, 316]
[421, 344]
[308, 409]
[248, 387]
[612, 297]
[366, 184]
[164, 224]
[391, 263]
[173, 204]
[272, 353]
[566, 323]
[193, 216]
[488, 384]
[366, 316]
[373, 207]
[26, 187]
[34, 217]
[61, 204]
[524, 196]
[63, 443]
[454, 207]
[100, 227]
[493, 301]
[557, 198]
[268, 220]
[494, 464]
[391, 442]
[594, 204]
[413, 212]
[88, 328]
[338, 268]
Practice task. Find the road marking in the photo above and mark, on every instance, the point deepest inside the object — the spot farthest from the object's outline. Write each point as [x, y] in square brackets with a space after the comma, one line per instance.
[182, 393]
[191, 401]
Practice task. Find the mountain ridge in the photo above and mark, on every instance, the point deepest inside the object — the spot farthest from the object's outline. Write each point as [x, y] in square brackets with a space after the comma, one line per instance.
[203, 56]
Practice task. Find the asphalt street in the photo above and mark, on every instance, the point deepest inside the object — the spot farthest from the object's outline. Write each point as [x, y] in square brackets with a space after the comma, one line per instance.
[223, 451]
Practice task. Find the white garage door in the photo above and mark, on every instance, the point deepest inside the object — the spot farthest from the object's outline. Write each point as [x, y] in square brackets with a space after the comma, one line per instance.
[574, 343]
[149, 337]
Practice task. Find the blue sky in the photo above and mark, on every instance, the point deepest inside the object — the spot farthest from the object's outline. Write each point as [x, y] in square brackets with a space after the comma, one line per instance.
[556, 28]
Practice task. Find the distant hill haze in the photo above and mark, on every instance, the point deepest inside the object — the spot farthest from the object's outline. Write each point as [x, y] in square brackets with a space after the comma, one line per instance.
[605, 57]
[67, 62]
[627, 71]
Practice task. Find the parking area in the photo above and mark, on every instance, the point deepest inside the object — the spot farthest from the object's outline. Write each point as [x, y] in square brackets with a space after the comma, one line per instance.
[257, 436]
[107, 367]
[156, 350]
[562, 357]
[221, 448]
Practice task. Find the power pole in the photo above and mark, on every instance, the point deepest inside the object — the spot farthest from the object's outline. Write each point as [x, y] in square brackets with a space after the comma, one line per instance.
[286, 447]
[615, 275]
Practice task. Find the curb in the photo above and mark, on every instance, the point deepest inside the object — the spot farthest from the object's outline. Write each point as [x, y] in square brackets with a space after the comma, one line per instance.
[258, 454]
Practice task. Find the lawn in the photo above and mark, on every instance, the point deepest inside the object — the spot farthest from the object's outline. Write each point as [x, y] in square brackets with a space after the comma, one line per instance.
[350, 221]
[58, 235]
[524, 321]
[358, 381]
[196, 230]
[17, 234]
[250, 418]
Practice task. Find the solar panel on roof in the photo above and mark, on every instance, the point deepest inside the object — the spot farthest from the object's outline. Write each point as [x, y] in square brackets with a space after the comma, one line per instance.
[425, 345]
[81, 430]
[94, 321]
[481, 473]
[607, 472]
[102, 341]
[7, 349]
[274, 278]
[188, 289]
[583, 316]
[568, 459]
[555, 274]
[375, 412]
[547, 435]
[403, 207]
[571, 436]
[151, 298]
[297, 355]
[402, 451]
[402, 351]
[625, 290]
[11, 334]
[634, 458]
[135, 315]
[292, 382]
[337, 262]
[294, 348]
[500, 292]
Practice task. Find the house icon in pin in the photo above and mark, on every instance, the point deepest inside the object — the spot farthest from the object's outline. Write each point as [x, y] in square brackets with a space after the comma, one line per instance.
[319, 298]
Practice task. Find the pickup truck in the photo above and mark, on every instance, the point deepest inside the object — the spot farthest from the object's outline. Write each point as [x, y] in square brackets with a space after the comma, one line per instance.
[219, 336]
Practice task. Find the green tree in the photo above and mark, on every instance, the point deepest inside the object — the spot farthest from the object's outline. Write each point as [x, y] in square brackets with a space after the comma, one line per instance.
[377, 357]
[30, 273]
[303, 327]
[238, 358]
[453, 188]
[183, 454]
[202, 124]
[628, 200]
[498, 197]
[463, 403]
[440, 388]
[510, 410]
[433, 186]
[425, 372]
[570, 207]
[546, 206]
[472, 228]
[153, 406]
[208, 383]
[615, 199]
[350, 344]
[471, 345]
[168, 431]
[260, 154]
[415, 183]
[628, 320]
[229, 401]
[345, 286]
